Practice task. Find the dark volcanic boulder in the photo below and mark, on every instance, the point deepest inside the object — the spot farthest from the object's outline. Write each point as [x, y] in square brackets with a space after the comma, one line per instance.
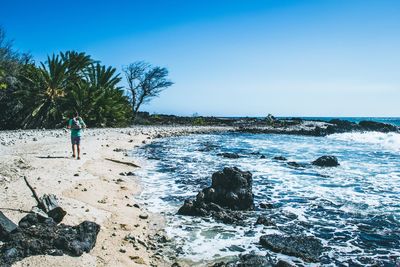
[229, 155]
[231, 190]
[305, 247]
[247, 260]
[38, 236]
[253, 260]
[266, 205]
[264, 221]
[378, 126]
[326, 161]
[296, 164]
[342, 126]
[6, 227]
[280, 158]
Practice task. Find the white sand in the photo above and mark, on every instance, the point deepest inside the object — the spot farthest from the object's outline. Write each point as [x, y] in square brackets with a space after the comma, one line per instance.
[95, 194]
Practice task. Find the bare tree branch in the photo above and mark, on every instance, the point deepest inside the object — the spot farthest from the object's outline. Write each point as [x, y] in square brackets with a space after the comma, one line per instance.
[145, 82]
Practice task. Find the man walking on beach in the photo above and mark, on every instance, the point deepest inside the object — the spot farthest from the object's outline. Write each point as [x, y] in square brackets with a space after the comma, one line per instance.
[76, 124]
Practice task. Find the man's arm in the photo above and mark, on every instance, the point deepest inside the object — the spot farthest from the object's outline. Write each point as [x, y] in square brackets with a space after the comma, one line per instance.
[82, 122]
[69, 124]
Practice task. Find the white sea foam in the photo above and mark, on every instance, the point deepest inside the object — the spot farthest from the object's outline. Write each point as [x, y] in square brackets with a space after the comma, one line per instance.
[322, 200]
[389, 141]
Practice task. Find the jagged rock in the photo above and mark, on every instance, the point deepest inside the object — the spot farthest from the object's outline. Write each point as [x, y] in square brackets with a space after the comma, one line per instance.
[38, 236]
[342, 126]
[248, 260]
[282, 263]
[378, 126]
[229, 155]
[266, 205]
[296, 164]
[326, 161]
[6, 227]
[264, 221]
[262, 157]
[280, 158]
[143, 216]
[231, 190]
[194, 208]
[307, 248]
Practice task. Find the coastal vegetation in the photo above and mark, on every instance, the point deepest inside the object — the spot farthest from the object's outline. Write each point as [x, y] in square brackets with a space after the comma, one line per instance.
[45, 95]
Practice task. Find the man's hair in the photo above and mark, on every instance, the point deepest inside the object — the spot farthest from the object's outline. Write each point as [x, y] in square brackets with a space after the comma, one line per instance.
[76, 114]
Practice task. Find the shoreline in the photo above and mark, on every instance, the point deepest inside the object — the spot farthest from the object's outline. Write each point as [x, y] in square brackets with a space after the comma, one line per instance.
[88, 189]
[92, 189]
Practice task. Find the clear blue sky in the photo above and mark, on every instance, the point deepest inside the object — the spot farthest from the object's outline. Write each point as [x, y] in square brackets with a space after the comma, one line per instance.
[231, 57]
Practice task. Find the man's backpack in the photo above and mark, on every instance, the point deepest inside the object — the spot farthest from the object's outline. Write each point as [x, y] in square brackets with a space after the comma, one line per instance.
[76, 124]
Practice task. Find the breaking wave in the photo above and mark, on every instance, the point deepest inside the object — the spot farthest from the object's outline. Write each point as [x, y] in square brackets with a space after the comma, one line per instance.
[388, 141]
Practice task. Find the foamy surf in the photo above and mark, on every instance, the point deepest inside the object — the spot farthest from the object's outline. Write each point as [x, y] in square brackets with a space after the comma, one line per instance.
[389, 141]
[353, 209]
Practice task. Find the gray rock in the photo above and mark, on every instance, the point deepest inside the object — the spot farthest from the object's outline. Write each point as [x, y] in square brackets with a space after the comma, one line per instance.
[305, 247]
[230, 191]
[40, 236]
[144, 216]
[264, 221]
[326, 161]
[229, 155]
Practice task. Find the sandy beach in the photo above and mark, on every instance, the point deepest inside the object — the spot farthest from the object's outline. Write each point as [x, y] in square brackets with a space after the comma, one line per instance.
[88, 189]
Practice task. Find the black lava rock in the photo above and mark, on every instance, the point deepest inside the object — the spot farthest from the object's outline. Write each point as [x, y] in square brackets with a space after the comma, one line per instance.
[247, 260]
[266, 206]
[6, 227]
[326, 161]
[230, 191]
[342, 126]
[264, 221]
[305, 247]
[378, 126]
[280, 158]
[229, 155]
[296, 164]
[37, 236]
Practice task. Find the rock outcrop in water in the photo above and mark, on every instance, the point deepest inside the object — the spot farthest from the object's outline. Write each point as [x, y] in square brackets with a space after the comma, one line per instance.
[378, 126]
[252, 260]
[229, 155]
[305, 247]
[230, 191]
[39, 236]
[326, 161]
[318, 128]
[281, 158]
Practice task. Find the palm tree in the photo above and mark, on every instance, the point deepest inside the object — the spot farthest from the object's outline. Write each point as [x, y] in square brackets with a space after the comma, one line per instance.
[67, 83]
[48, 88]
[99, 99]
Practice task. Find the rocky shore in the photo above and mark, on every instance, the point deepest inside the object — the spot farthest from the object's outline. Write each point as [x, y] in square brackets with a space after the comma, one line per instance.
[272, 125]
[317, 128]
[229, 195]
[101, 187]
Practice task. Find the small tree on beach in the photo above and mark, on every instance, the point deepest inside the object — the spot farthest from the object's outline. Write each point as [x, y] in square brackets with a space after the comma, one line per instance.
[144, 83]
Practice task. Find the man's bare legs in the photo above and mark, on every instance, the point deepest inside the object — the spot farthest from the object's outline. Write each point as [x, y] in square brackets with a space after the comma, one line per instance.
[73, 151]
[79, 151]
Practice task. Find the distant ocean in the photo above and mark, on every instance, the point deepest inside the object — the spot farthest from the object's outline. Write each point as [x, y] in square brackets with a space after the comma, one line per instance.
[391, 120]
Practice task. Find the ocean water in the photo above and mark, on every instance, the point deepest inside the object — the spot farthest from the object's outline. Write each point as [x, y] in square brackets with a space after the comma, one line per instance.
[390, 120]
[353, 209]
